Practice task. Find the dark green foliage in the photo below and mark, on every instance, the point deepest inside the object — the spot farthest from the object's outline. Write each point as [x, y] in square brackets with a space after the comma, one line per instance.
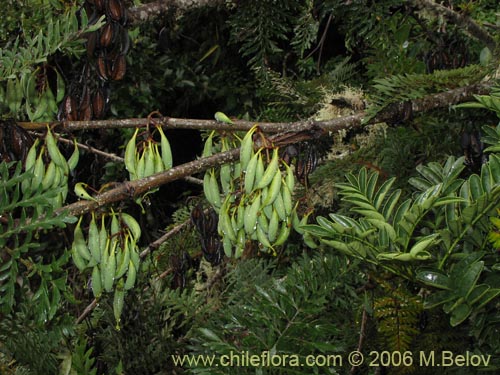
[397, 312]
[81, 360]
[32, 344]
[22, 251]
[299, 311]
[400, 88]
[152, 322]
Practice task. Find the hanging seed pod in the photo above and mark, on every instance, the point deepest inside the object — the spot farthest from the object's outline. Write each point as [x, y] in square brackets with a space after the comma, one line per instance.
[85, 107]
[116, 10]
[118, 68]
[123, 40]
[98, 103]
[92, 44]
[99, 5]
[106, 35]
[68, 109]
[102, 68]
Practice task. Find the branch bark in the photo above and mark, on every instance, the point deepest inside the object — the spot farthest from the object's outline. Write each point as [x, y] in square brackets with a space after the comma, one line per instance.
[291, 133]
[461, 20]
[145, 12]
[430, 102]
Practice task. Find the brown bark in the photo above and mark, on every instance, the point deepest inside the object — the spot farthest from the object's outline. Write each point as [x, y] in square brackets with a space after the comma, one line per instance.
[461, 20]
[290, 133]
[145, 12]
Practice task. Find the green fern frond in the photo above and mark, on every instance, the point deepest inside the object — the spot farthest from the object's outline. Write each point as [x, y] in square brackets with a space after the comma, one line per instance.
[24, 219]
[400, 88]
[397, 313]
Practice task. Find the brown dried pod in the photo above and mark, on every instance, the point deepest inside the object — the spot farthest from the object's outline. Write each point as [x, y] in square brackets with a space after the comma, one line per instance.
[119, 68]
[102, 68]
[99, 5]
[115, 10]
[92, 44]
[98, 104]
[106, 35]
[15, 141]
[68, 109]
[85, 107]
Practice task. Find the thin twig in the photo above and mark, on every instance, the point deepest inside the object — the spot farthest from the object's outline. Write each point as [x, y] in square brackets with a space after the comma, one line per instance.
[298, 131]
[428, 103]
[87, 311]
[461, 20]
[362, 335]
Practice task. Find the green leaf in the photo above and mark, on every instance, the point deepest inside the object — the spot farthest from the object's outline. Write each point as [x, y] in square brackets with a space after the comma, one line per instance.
[434, 279]
[382, 192]
[463, 285]
[209, 334]
[459, 314]
[438, 298]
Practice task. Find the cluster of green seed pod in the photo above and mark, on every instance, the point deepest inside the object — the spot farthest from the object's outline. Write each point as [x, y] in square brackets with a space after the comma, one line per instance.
[33, 93]
[50, 169]
[153, 158]
[257, 197]
[112, 254]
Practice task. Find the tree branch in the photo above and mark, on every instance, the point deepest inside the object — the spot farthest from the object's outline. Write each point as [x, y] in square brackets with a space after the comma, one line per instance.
[145, 12]
[292, 133]
[461, 20]
[430, 102]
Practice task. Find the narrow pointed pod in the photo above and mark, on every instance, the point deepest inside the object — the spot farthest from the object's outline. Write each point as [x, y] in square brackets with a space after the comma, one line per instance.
[149, 163]
[274, 189]
[263, 239]
[110, 268]
[214, 190]
[54, 152]
[279, 206]
[96, 282]
[283, 234]
[49, 177]
[38, 171]
[118, 302]
[208, 147]
[93, 241]
[290, 178]
[271, 170]
[31, 156]
[250, 173]
[140, 169]
[74, 158]
[287, 200]
[130, 154]
[225, 227]
[251, 213]
[159, 166]
[259, 170]
[225, 171]
[123, 263]
[227, 245]
[79, 242]
[79, 262]
[166, 150]
[132, 224]
[273, 227]
[131, 276]
[246, 148]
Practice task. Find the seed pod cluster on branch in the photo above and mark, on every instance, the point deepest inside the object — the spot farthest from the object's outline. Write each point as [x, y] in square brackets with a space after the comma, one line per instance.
[253, 197]
[111, 251]
[206, 223]
[50, 170]
[15, 141]
[107, 47]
